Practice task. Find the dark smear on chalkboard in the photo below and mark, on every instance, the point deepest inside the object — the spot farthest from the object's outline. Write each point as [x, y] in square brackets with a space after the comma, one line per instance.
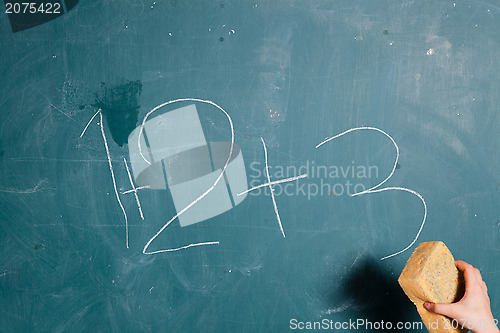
[70, 4]
[376, 293]
[398, 166]
[120, 106]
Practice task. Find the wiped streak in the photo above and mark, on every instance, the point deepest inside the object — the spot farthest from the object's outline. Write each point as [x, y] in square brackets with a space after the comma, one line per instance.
[423, 221]
[137, 189]
[210, 189]
[374, 129]
[55, 107]
[113, 176]
[88, 124]
[271, 188]
[28, 191]
[134, 189]
[274, 183]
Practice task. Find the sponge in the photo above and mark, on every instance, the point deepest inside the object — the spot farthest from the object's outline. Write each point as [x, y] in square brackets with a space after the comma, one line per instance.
[430, 275]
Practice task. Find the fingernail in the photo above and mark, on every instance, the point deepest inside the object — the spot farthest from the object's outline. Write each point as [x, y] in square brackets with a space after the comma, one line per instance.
[427, 304]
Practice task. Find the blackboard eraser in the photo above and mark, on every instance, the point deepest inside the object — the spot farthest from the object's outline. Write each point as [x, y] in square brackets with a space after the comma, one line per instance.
[430, 275]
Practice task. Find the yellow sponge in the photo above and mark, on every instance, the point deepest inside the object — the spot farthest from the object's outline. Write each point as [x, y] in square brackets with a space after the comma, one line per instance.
[430, 275]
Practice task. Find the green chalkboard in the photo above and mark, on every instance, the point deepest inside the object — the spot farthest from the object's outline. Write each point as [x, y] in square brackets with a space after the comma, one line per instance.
[242, 166]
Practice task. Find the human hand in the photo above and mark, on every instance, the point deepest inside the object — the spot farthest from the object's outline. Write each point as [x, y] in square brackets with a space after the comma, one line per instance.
[473, 311]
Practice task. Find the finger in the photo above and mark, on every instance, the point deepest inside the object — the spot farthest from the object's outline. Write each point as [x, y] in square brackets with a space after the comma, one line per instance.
[462, 265]
[478, 273]
[449, 310]
[472, 275]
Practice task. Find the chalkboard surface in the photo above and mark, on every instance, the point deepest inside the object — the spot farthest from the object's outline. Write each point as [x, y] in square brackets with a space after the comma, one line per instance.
[133, 135]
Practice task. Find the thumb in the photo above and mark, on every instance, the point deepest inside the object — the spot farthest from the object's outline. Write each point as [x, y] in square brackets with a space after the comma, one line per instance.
[448, 310]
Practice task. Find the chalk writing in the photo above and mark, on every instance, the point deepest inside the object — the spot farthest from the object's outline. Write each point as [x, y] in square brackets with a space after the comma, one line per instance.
[85, 129]
[274, 182]
[210, 189]
[270, 183]
[375, 189]
[113, 176]
[134, 189]
[137, 189]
